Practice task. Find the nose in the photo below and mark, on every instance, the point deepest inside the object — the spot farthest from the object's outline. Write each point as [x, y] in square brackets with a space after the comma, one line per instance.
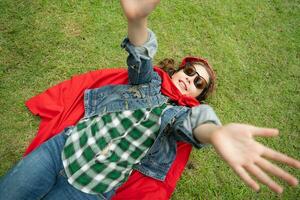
[188, 79]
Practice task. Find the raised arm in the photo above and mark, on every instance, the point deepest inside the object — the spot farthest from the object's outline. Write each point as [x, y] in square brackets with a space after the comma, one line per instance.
[141, 43]
[136, 12]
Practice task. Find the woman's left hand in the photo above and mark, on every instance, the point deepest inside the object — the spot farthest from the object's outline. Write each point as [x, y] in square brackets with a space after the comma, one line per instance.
[236, 145]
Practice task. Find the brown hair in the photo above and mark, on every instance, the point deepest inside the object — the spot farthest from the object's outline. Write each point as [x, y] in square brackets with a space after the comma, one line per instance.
[169, 66]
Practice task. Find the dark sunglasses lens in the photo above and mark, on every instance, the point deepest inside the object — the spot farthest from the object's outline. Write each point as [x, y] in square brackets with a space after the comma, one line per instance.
[199, 82]
[189, 70]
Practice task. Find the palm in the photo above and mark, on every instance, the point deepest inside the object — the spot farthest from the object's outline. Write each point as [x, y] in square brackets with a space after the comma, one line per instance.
[240, 148]
[236, 145]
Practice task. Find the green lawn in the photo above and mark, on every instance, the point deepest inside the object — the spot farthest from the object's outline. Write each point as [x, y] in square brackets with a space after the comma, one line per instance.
[253, 45]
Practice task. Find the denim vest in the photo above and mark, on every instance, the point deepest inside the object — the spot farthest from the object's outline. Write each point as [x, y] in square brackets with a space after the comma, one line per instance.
[143, 91]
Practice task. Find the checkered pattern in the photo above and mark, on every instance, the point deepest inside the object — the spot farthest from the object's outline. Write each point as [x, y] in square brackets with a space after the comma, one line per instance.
[101, 151]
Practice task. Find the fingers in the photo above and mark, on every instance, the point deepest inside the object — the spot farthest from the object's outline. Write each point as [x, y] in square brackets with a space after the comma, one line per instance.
[271, 168]
[267, 132]
[246, 178]
[263, 178]
[277, 156]
[258, 172]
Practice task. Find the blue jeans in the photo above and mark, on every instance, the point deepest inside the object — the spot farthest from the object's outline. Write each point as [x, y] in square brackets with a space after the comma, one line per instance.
[40, 175]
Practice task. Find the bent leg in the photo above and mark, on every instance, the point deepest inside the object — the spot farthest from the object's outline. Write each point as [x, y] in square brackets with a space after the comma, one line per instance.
[34, 176]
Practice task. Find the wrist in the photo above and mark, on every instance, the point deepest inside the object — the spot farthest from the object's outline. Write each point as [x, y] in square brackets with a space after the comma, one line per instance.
[215, 135]
[205, 133]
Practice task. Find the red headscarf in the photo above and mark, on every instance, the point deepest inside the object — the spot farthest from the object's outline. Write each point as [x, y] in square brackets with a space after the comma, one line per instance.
[192, 59]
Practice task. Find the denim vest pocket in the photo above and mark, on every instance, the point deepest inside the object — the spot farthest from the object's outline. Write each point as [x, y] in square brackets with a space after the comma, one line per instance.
[121, 97]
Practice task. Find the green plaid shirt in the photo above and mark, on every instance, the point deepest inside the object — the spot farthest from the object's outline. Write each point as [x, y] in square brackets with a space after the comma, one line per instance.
[100, 153]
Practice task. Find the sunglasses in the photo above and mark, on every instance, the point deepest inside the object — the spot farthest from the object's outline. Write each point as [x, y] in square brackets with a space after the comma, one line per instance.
[199, 81]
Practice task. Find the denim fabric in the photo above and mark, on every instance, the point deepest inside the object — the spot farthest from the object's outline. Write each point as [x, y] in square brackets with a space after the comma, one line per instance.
[143, 91]
[46, 180]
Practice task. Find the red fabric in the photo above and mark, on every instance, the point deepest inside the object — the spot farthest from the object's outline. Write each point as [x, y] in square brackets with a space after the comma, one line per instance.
[62, 105]
[170, 90]
[192, 59]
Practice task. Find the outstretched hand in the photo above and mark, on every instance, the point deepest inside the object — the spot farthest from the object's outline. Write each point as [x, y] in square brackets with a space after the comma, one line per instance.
[236, 145]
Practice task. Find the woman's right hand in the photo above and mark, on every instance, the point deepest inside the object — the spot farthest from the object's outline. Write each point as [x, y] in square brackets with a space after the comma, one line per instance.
[136, 12]
[138, 9]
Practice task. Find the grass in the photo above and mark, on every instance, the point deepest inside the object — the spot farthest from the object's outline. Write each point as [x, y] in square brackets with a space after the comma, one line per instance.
[253, 45]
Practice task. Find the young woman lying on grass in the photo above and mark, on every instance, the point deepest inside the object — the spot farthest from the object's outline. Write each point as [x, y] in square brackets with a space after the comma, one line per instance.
[136, 126]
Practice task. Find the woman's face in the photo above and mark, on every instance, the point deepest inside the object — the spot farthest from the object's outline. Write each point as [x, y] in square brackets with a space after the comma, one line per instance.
[185, 84]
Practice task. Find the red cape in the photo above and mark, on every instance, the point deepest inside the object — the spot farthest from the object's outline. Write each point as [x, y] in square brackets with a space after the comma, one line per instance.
[62, 105]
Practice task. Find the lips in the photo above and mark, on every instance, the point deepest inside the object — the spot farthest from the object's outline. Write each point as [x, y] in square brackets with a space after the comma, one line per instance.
[182, 84]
